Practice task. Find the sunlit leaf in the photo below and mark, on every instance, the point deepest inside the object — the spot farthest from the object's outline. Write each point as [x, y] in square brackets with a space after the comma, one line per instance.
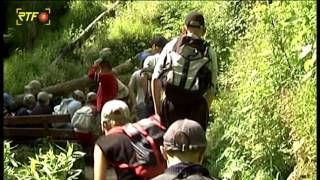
[305, 51]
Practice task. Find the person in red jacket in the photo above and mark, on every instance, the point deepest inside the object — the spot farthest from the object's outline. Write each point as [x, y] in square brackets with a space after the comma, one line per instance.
[101, 71]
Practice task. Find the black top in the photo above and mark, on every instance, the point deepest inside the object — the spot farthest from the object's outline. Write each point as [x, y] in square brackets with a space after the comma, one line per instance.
[23, 111]
[39, 109]
[183, 170]
[117, 149]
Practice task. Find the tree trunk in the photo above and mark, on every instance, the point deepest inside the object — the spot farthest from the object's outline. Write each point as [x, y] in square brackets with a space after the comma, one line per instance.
[83, 36]
[122, 71]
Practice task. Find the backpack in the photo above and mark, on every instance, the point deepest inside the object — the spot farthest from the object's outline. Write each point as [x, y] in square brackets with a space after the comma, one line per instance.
[62, 108]
[85, 119]
[148, 100]
[146, 137]
[185, 72]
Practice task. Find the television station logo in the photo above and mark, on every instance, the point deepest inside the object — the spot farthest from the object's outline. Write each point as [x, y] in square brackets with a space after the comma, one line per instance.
[30, 16]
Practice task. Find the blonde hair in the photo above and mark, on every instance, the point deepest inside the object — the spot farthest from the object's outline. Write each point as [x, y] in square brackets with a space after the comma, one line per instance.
[115, 112]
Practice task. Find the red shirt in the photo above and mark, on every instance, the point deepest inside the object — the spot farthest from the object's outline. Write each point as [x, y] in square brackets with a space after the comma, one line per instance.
[108, 86]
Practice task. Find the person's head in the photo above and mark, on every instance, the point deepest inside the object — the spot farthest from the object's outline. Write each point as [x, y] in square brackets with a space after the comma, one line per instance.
[79, 96]
[43, 98]
[91, 98]
[105, 56]
[194, 24]
[105, 65]
[114, 113]
[33, 87]
[29, 100]
[184, 141]
[158, 43]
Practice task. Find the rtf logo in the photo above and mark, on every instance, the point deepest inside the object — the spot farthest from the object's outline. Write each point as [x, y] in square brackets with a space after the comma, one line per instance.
[25, 16]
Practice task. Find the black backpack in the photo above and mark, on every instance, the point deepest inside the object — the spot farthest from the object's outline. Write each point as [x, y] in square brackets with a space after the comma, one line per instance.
[192, 172]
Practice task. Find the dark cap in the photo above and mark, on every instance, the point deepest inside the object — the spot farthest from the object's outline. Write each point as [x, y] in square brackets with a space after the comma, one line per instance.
[184, 135]
[194, 19]
[159, 41]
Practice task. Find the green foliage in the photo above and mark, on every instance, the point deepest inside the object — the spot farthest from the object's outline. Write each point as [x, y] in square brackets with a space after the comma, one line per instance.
[47, 161]
[264, 116]
[298, 110]
[258, 141]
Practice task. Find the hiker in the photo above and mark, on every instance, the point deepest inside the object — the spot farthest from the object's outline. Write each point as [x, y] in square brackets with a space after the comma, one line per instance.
[101, 71]
[8, 104]
[72, 104]
[157, 45]
[85, 121]
[123, 91]
[69, 106]
[132, 155]
[42, 106]
[184, 146]
[187, 73]
[33, 87]
[140, 81]
[29, 102]
[154, 47]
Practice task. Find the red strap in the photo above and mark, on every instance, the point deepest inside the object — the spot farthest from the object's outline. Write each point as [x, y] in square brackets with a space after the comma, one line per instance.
[154, 119]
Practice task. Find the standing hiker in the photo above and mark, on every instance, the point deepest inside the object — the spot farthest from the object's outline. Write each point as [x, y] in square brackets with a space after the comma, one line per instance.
[133, 149]
[139, 85]
[101, 72]
[184, 146]
[187, 72]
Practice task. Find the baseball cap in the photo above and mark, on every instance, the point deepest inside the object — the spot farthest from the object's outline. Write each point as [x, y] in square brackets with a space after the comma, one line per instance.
[34, 84]
[116, 110]
[184, 135]
[194, 19]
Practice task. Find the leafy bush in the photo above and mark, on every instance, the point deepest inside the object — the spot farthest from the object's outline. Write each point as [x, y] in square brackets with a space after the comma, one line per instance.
[264, 116]
[53, 162]
[258, 140]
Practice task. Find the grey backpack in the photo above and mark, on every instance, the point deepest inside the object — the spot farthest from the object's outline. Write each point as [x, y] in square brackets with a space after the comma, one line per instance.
[185, 69]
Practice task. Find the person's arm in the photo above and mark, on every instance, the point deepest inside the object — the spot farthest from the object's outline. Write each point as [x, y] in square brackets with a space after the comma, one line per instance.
[156, 95]
[100, 164]
[123, 91]
[132, 94]
[92, 74]
[213, 66]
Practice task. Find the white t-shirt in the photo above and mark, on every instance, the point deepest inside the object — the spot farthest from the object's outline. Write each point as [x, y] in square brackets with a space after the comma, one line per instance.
[135, 84]
[151, 61]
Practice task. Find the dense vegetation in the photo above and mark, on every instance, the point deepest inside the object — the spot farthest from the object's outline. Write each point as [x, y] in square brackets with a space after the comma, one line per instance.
[45, 160]
[265, 114]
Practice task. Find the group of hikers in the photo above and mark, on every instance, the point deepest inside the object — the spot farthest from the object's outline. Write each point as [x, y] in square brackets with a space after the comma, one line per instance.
[154, 128]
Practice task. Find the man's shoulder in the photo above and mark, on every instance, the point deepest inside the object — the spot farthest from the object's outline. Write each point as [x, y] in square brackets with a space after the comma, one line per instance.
[114, 142]
[114, 138]
[171, 43]
[136, 73]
